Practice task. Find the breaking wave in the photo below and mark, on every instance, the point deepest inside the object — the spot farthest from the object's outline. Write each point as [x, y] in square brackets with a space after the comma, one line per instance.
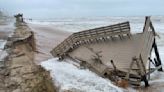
[70, 78]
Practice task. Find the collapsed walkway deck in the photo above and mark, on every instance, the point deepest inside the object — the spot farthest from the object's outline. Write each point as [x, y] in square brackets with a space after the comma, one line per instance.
[113, 51]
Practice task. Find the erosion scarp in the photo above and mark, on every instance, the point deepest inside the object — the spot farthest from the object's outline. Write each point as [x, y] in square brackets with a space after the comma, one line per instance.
[20, 73]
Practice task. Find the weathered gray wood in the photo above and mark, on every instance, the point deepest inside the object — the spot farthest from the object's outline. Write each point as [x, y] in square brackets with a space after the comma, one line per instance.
[152, 27]
[130, 68]
[147, 24]
[119, 48]
[87, 36]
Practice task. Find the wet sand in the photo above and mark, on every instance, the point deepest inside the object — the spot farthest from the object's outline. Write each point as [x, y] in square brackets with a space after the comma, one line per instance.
[47, 37]
[4, 35]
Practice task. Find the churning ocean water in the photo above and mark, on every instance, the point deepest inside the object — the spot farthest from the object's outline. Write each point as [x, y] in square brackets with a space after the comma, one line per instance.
[6, 29]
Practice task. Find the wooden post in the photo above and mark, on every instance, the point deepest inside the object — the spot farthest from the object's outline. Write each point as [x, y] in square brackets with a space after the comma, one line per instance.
[156, 62]
[149, 67]
[113, 65]
[145, 80]
[115, 70]
[147, 23]
[128, 73]
[157, 55]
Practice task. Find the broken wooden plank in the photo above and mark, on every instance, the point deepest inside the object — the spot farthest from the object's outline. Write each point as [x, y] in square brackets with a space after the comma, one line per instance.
[151, 71]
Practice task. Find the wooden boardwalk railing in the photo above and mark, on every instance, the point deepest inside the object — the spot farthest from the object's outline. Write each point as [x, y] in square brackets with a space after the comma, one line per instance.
[91, 35]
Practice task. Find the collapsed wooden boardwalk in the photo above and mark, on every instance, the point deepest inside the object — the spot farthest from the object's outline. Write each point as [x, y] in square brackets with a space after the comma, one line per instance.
[92, 35]
[123, 54]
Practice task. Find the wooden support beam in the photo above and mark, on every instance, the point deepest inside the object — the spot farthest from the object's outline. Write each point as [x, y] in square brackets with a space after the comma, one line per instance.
[115, 71]
[142, 65]
[156, 62]
[144, 78]
[151, 61]
[157, 55]
[113, 65]
[129, 70]
[147, 24]
[151, 71]
[152, 27]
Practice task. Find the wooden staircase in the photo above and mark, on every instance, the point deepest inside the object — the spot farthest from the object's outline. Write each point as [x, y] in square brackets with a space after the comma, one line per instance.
[90, 36]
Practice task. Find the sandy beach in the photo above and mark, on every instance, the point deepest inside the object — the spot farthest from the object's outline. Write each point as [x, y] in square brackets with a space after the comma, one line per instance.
[47, 37]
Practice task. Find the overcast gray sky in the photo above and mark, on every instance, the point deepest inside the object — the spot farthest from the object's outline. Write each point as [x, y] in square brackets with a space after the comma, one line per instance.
[80, 8]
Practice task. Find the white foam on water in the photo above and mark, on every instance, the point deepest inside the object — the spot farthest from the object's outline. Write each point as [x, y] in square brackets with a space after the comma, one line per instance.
[79, 24]
[3, 54]
[68, 77]
[2, 44]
